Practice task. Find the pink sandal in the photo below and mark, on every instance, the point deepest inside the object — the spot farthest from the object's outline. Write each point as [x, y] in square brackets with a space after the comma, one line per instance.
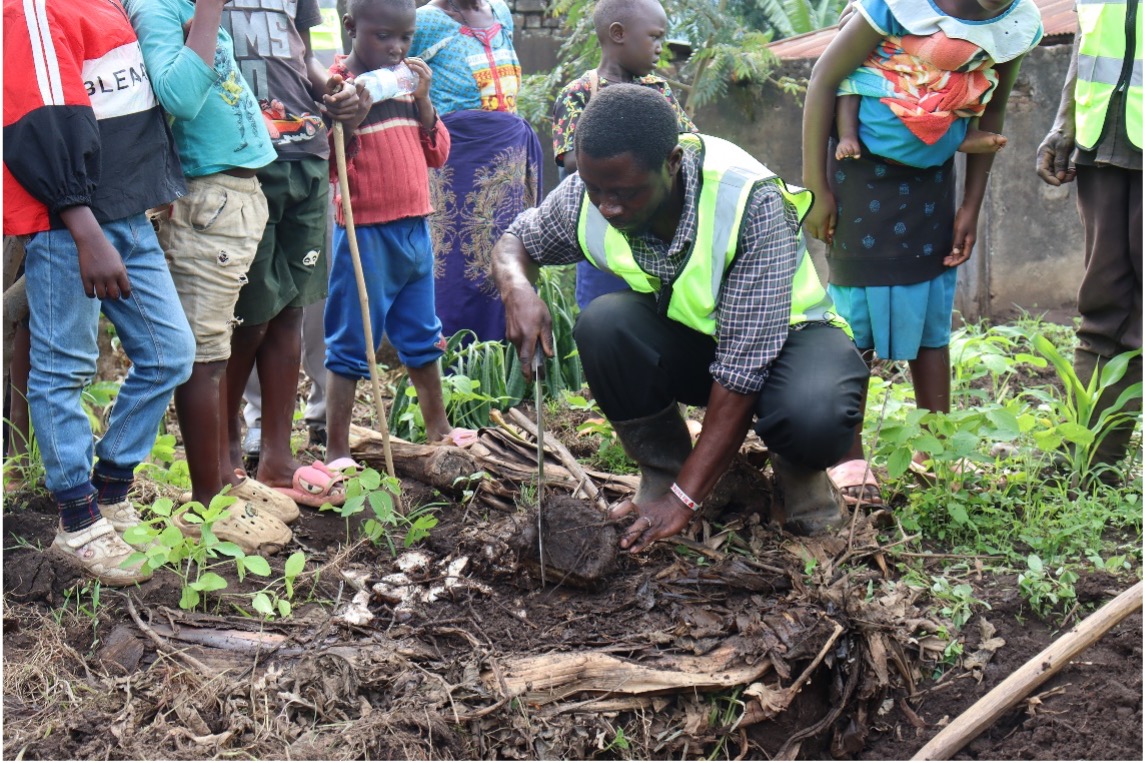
[315, 485]
[856, 482]
[459, 437]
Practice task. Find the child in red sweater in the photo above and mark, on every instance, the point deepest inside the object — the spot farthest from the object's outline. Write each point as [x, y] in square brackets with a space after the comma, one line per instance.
[388, 156]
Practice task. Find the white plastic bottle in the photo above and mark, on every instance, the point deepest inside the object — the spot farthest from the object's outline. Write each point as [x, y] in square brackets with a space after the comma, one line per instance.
[389, 82]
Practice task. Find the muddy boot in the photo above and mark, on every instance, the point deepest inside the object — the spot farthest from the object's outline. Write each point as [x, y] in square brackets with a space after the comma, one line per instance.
[659, 444]
[810, 504]
[1113, 447]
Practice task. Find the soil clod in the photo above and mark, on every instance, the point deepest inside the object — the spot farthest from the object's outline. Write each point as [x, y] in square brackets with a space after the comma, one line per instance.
[579, 543]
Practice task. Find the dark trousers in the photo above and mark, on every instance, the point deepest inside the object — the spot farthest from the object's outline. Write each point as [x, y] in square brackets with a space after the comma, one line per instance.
[1109, 299]
[639, 362]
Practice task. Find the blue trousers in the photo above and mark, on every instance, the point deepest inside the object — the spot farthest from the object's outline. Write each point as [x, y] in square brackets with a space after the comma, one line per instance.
[63, 321]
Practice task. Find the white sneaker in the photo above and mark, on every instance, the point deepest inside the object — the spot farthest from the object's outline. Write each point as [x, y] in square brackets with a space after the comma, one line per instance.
[122, 515]
[100, 551]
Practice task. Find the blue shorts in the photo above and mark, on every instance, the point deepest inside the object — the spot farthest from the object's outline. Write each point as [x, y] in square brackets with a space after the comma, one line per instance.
[896, 321]
[397, 262]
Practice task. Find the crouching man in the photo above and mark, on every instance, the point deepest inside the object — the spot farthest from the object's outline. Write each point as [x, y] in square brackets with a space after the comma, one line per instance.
[726, 311]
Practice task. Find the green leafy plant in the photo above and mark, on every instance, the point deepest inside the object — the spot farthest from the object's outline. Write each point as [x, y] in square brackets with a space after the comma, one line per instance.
[193, 560]
[1046, 590]
[370, 488]
[163, 467]
[267, 602]
[482, 376]
[957, 601]
[85, 598]
[96, 400]
[1075, 421]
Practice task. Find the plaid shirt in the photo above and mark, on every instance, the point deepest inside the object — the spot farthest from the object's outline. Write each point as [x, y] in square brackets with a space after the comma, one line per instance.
[754, 304]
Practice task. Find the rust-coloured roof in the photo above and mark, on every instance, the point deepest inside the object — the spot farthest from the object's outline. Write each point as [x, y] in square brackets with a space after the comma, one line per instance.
[1058, 18]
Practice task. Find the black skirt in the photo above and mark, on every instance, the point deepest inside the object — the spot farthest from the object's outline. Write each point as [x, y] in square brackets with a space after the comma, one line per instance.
[895, 223]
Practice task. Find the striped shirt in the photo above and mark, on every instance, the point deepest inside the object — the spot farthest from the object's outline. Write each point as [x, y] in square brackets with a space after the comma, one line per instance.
[754, 305]
[388, 160]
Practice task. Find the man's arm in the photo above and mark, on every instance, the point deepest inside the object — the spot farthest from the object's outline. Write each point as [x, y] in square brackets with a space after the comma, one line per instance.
[1053, 164]
[544, 235]
[527, 318]
[725, 425]
[754, 309]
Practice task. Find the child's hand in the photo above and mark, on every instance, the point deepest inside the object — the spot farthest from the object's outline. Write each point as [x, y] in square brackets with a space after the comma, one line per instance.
[965, 234]
[101, 269]
[424, 74]
[343, 101]
[820, 221]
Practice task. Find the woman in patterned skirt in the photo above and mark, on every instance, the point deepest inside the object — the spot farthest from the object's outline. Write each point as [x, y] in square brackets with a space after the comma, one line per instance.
[494, 166]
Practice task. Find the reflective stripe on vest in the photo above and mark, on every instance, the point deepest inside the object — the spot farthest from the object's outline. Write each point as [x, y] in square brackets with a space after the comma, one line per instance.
[729, 175]
[1106, 65]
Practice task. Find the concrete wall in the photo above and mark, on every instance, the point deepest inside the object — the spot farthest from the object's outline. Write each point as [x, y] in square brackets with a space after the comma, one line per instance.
[1029, 252]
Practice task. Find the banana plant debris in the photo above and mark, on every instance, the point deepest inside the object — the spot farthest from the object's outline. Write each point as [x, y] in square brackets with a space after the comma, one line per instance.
[737, 639]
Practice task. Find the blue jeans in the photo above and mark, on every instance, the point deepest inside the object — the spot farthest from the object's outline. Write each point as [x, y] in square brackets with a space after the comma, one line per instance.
[151, 328]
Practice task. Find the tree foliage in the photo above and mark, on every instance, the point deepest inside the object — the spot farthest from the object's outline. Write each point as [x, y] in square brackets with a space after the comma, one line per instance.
[728, 41]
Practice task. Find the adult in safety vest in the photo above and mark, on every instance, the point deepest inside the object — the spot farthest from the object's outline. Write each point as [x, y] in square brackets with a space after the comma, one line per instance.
[725, 311]
[1096, 138]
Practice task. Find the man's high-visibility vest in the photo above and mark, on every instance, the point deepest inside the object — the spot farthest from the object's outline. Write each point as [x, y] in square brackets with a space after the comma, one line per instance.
[1108, 61]
[728, 176]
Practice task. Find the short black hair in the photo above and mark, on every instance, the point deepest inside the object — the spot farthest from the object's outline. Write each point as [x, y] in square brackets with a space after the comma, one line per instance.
[354, 7]
[623, 119]
[608, 12]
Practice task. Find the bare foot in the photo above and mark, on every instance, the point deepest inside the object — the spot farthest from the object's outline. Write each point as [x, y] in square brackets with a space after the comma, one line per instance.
[848, 148]
[982, 142]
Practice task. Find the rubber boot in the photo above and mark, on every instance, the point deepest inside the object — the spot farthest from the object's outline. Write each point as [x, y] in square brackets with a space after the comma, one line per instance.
[811, 505]
[659, 444]
[1113, 447]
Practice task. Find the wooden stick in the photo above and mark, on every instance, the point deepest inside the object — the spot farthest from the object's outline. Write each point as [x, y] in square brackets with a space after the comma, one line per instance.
[982, 714]
[590, 490]
[363, 298]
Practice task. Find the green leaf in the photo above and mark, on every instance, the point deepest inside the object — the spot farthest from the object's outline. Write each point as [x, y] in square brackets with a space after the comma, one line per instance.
[958, 514]
[295, 563]
[383, 505]
[929, 444]
[226, 548]
[209, 581]
[171, 537]
[353, 506]
[1005, 423]
[189, 599]
[284, 608]
[256, 565]
[370, 479]
[1075, 433]
[139, 534]
[1034, 562]
[261, 604]
[899, 462]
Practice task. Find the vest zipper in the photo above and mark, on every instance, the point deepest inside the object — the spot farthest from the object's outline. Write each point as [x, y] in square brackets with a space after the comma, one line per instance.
[1130, 45]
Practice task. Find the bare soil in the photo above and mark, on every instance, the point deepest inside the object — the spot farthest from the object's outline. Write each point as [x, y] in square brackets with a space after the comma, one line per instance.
[367, 668]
